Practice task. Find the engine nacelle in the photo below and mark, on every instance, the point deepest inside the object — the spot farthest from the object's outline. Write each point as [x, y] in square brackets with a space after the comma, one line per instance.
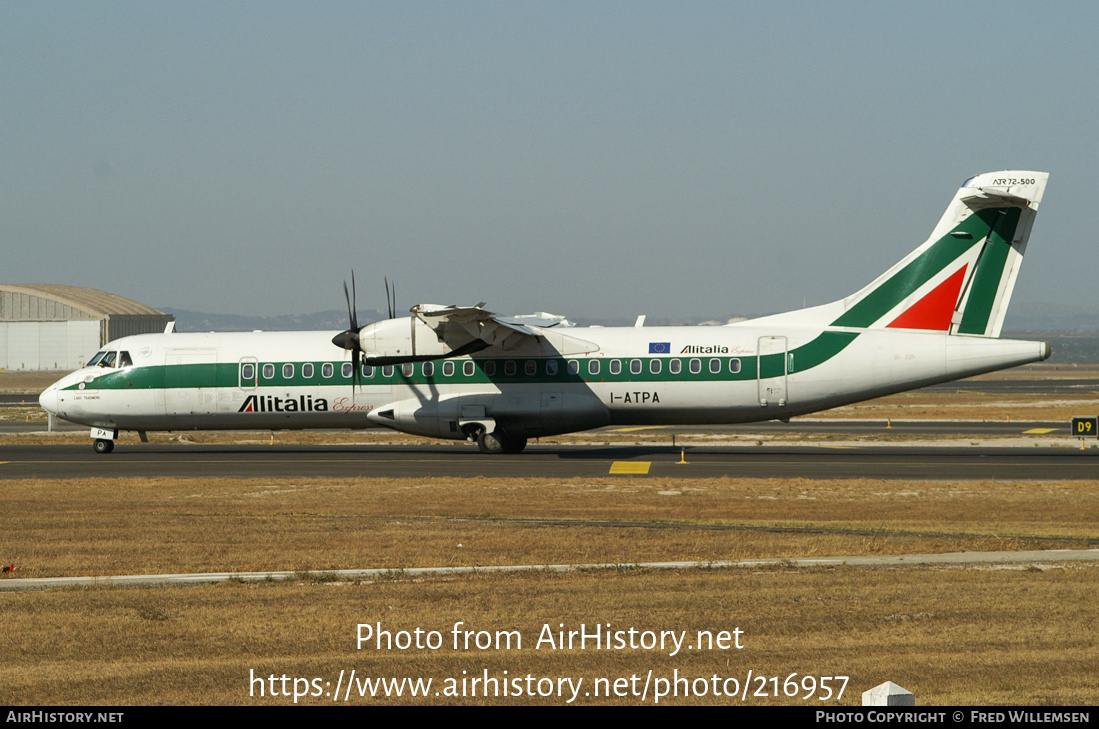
[405, 337]
[528, 414]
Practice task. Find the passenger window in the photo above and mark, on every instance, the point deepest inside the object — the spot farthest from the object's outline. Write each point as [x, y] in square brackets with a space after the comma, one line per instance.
[509, 367]
[489, 366]
[715, 365]
[696, 366]
[448, 368]
[429, 369]
[268, 371]
[307, 370]
[248, 372]
[616, 367]
[675, 366]
[530, 367]
[387, 370]
[367, 371]
[551, 367]
[287, 371]
[635, 367]
[407, 369]
[467, 368]
[347, 370]
[593, 367]
[327, 370]
[573, 367]
[654, 366]
[734, 365]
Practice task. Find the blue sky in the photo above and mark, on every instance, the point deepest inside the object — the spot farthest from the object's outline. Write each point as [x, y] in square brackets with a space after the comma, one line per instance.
[591, 159]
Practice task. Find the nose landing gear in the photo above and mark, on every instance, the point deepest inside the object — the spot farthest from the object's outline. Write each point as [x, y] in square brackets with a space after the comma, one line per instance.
[104, 440]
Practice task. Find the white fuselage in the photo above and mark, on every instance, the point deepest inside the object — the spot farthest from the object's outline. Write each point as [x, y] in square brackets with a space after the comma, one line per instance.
[296, 380]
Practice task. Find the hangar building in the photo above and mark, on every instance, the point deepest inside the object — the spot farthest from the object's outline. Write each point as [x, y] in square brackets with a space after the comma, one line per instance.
[55, 327]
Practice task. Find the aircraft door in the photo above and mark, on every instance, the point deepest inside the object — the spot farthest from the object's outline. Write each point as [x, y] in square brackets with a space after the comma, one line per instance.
[771, 368]
[248, 373]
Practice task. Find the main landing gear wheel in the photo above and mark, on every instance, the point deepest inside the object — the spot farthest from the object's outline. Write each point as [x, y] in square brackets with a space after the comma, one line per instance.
[499, 442]
[102, 445]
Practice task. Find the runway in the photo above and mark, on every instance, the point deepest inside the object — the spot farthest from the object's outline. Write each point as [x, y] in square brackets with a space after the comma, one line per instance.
[796, 427]
[636, 461]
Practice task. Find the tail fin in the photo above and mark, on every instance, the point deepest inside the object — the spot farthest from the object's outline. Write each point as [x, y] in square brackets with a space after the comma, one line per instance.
[960, 280]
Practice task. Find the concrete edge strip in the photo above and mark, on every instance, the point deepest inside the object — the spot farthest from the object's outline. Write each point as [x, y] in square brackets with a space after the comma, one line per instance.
[950, 558]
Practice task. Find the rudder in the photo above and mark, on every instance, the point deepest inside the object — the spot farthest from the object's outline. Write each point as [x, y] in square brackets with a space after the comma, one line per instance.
[983, 305]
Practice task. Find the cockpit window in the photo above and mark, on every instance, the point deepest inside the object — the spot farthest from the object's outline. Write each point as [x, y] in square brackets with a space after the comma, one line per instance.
[95, 360]
[124, 359]
[108, 359]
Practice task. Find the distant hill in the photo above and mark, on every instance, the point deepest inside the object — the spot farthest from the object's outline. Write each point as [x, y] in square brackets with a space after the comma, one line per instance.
[1030, 317]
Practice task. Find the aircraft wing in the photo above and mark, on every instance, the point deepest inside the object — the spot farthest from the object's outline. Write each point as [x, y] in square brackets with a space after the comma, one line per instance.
[507, 333]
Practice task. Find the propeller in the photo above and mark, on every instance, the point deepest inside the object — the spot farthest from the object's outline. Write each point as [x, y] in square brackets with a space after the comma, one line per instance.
[349, 338]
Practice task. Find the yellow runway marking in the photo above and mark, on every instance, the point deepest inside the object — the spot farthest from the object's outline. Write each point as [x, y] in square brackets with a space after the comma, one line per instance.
[630, 466]
[1039, 431]
[639, 427]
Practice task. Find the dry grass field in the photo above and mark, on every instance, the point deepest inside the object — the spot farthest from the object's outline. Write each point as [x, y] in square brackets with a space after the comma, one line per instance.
[983, 637]
[138, 526]
[951, 635]
[963, 635]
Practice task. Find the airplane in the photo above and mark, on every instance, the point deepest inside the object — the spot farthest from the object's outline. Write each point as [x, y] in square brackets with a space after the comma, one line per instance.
[465, 373]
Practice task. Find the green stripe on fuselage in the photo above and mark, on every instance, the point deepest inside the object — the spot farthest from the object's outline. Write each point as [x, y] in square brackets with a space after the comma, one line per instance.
[227, 375]
[809, 355]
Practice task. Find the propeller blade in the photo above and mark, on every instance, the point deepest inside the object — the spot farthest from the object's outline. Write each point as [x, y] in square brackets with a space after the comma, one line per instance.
[349, 339]
[354, 303]
[347, 297]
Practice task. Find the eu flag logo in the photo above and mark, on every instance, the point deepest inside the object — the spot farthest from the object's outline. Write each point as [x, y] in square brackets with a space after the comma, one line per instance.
[660, 347]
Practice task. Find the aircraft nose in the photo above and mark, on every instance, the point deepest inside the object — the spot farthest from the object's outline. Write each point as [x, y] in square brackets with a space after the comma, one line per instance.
[48, 400]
